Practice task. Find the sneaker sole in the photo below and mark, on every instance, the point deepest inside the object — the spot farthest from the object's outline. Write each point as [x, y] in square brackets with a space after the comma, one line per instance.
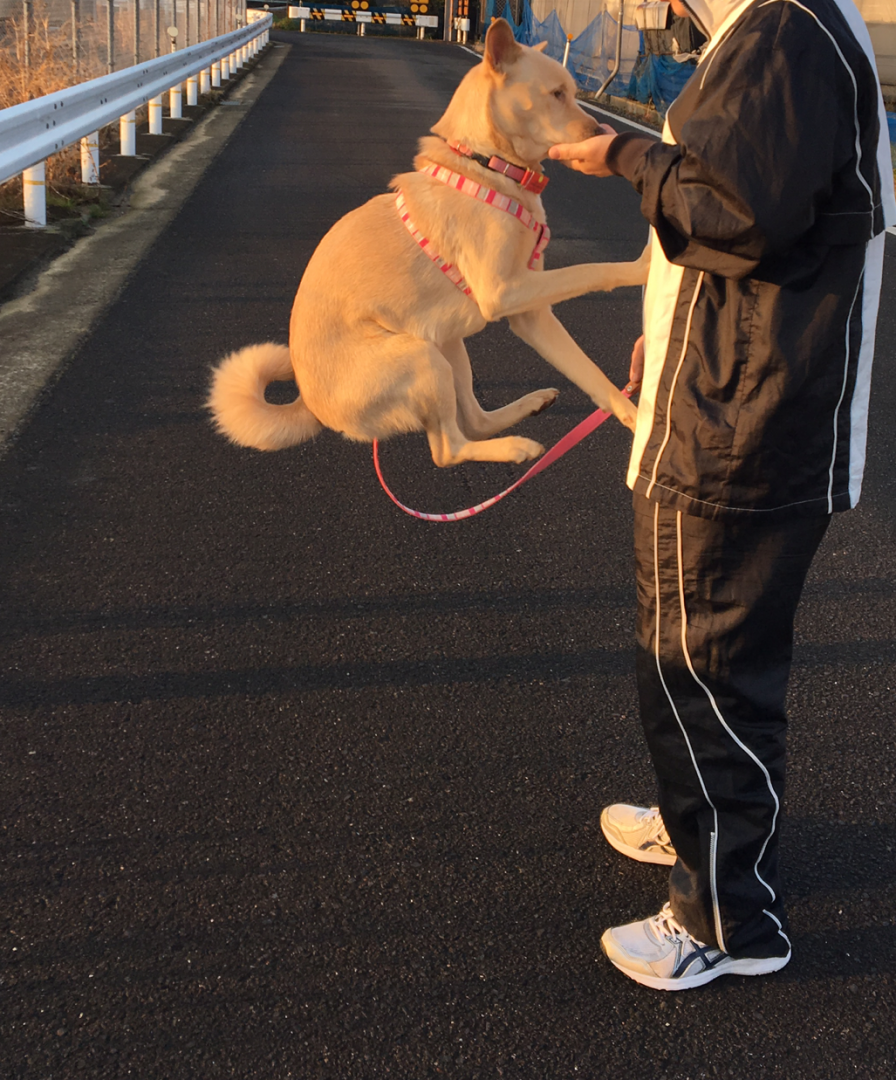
[658, 858]
[745, 966]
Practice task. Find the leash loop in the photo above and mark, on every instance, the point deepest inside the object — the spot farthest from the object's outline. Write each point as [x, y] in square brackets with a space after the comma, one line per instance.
[569, 440]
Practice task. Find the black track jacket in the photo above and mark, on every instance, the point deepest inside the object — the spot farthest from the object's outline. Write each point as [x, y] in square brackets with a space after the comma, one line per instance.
[767, 197]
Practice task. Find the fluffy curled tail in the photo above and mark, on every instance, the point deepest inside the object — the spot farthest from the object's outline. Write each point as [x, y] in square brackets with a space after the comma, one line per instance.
[238, 405]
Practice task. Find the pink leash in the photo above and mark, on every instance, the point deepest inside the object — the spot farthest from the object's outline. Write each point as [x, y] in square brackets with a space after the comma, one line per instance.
[568, 441]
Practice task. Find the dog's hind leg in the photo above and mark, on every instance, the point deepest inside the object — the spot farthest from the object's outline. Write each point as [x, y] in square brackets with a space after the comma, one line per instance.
[435, 393]
[473, 419]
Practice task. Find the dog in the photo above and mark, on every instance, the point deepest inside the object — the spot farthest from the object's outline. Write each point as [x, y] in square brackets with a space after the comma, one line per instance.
[379, 320]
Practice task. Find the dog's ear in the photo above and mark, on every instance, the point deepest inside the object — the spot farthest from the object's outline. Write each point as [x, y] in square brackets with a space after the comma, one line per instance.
[540, 47]
[501, 49]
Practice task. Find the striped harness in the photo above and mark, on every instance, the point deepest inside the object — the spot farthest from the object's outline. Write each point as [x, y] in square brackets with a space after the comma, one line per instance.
[484, 194]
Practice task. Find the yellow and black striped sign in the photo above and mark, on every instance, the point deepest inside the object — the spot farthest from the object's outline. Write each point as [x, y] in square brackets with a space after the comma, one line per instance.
[348, 14]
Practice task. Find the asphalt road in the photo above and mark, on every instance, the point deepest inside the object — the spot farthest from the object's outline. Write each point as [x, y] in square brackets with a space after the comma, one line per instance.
[296, 786]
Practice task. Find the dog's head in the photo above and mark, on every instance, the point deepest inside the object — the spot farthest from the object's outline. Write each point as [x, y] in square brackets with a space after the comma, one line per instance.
[519, 100]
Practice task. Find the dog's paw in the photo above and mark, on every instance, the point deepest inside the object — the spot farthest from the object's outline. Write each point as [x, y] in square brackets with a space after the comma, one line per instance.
[642, 266]
[523, 449]
[543, 399]
[628, 415]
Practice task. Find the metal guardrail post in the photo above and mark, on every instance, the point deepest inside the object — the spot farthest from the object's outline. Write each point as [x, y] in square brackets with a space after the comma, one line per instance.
[127, 132]
[175, 102]
[216, 74]
[90, 158]
[155, 115]
[34, 183]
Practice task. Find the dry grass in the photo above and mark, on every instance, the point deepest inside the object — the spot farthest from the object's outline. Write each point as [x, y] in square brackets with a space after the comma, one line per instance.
[51, 67]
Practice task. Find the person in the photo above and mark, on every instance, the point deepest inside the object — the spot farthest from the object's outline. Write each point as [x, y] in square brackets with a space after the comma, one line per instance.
[767, 198]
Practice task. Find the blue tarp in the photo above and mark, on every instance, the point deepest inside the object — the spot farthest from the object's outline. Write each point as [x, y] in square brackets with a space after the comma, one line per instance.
[592, 55]
[660, 79]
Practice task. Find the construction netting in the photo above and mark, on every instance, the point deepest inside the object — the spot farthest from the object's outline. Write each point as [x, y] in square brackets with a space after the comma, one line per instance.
[592, 54]
[659, 79]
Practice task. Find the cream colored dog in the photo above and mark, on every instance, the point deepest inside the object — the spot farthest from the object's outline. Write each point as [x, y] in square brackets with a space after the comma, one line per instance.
[377, 329]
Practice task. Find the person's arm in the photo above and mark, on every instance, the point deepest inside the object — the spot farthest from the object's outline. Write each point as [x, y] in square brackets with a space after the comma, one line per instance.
[755, 159]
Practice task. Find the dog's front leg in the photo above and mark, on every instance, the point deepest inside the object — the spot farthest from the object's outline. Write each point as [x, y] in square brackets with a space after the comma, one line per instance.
[500, 298]
[546, 334]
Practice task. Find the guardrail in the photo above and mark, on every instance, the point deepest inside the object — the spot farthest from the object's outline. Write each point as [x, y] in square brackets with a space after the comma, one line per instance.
[33, 131]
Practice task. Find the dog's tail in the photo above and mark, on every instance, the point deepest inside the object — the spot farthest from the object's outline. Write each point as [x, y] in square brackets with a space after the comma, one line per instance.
[238, 405]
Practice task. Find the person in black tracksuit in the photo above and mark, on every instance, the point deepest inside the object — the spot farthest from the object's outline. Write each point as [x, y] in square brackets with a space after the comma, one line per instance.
[767, 197]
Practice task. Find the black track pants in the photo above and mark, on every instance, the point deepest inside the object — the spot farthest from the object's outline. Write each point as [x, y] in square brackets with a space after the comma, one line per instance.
[716, 605]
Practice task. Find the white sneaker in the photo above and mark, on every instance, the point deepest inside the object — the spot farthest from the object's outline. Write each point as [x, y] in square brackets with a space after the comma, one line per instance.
[638, 832]
[661, 954]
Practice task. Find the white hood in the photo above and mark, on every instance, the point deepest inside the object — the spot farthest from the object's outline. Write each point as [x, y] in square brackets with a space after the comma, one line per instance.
[710, 15]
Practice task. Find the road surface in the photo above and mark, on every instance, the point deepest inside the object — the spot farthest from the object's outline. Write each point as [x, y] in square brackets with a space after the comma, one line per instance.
[296, 786]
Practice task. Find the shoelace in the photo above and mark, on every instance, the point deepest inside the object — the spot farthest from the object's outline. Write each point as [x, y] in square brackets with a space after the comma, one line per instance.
[665, 926]
[661, 836]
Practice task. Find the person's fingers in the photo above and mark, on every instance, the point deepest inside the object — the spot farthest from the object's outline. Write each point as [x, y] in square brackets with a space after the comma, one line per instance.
[565, 152]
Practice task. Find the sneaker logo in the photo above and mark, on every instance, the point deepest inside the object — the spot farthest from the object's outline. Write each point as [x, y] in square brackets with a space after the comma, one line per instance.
[701, 953]
[653, 845]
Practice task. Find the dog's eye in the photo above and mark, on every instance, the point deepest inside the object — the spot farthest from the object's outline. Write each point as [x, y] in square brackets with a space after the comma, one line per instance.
[559, 94]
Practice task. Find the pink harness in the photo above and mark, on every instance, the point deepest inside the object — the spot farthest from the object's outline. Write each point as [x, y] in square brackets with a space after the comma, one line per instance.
[484, 194]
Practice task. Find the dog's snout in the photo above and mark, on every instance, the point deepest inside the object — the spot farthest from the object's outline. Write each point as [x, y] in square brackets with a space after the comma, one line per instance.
[581, 127]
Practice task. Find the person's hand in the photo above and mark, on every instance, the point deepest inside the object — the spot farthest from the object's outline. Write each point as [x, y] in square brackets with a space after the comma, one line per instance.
[590, 156]
[636, 371]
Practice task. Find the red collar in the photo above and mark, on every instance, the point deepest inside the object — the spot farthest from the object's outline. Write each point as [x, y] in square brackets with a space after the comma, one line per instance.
[528, 179]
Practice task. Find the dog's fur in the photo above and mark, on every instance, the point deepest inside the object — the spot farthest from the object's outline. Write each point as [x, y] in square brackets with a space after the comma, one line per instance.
[377, 331]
